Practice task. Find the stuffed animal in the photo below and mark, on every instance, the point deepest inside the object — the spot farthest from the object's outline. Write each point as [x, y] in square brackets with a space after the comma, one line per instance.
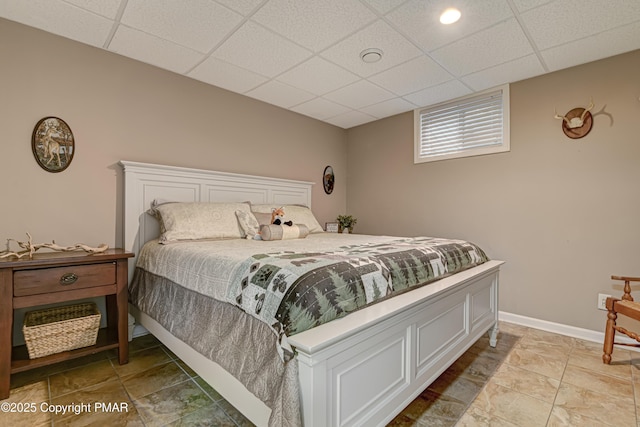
[277, 215]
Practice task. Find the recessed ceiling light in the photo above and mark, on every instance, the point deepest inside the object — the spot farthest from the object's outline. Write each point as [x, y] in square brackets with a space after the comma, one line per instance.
[450, 16]
[371, 55]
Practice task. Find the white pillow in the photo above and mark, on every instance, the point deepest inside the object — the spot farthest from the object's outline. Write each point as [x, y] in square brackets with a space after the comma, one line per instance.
[248, 223]
[296, 213]
[199, 221]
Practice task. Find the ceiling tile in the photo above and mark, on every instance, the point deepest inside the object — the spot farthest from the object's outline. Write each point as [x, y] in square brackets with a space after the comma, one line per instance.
[227, 76]
[469, 55]
[420, 20]
[318, 76]
[304, 55]
[436, 94]
[280, 94]
[320, 108]
[384, 6]
[314, 24]
[396, 49]
[59, 18]
[412, 76]
[106, 8]
[258, 49]
[388, 108]
[602, 45]
[560, 22]
[350, 119]
[509, 72]
[359, 94]
[244, 7]
[196, 24]
[524, 5]
[153, 50]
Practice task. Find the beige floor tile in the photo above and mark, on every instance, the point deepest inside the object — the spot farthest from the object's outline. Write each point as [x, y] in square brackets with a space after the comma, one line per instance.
[560, 417]
[512, 329]
[549, 338]
[475, 417]
[507, 404]
[211, 415]
[102, 404]
[475, 367]
[436, 409]
[592, 360]
[558, 350]
[609, 385]
[594, 405]
[234, 414]
[457, 387]
[186, 368]
[23, 407]
[142, 343]
[170, 404]
[81, 377]
[551, 366]
[403, 421]
[526, 382]
[153, 379]
[142, 360]
[210, 391]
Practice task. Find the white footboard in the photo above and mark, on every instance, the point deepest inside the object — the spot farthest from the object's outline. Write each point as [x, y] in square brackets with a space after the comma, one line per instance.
[365, 368]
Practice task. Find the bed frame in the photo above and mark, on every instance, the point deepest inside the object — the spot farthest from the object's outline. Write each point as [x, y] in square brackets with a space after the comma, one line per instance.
[362, 369]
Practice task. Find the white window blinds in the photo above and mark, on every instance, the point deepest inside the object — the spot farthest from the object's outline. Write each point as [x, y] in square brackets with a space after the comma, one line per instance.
[464, 127]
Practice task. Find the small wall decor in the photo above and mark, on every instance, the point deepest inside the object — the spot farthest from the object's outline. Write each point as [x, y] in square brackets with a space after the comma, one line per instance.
[577, 123]
[331, 227]
[328, 179]
[52, 144]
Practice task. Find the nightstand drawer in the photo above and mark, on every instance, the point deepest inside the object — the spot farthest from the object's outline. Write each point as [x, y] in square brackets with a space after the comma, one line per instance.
[59, 279]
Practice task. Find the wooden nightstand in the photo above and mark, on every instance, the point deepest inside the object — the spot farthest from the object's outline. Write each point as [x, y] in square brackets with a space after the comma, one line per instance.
[57, 277]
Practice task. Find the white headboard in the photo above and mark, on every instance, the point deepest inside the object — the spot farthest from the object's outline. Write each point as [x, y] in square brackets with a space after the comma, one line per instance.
[144, 183]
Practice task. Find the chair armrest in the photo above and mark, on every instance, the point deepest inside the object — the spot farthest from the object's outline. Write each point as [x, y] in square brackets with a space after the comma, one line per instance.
[626, 278]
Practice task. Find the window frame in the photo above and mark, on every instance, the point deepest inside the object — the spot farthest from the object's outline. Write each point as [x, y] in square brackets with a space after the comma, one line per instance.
[504, 146]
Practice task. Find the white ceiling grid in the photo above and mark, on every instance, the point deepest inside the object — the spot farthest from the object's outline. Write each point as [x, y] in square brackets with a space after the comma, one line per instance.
[304, 55]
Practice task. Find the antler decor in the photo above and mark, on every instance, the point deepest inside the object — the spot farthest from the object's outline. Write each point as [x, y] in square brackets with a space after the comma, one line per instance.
[29, 248]
[577, 122]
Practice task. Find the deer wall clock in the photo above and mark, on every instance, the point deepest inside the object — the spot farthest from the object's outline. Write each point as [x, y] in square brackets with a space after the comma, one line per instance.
[577, 123]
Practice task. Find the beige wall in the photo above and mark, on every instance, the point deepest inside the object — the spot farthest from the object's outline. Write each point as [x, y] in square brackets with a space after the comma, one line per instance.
[122, 109]
[562, 213]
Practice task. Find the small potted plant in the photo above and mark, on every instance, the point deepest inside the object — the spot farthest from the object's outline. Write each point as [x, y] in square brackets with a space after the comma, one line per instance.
[346, 223]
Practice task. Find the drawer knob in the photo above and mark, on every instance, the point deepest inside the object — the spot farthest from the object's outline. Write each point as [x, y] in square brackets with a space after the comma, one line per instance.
[68, 279]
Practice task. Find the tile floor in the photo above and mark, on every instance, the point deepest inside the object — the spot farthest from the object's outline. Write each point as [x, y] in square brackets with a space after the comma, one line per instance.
[532, 378]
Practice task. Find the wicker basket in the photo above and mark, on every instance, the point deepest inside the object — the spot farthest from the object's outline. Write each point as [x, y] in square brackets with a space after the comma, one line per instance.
[61, 329]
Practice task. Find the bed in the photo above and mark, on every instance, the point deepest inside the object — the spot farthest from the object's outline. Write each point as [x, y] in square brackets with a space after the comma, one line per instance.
[361, 368]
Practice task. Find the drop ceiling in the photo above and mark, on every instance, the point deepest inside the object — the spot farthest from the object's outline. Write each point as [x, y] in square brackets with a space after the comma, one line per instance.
[304, 55]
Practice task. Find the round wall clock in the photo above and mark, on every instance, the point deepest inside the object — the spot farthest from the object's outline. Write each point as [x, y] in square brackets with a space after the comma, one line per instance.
[328, 179]
[52, 144]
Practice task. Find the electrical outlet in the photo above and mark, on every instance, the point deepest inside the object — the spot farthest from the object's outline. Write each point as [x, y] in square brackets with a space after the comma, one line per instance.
[602, 301]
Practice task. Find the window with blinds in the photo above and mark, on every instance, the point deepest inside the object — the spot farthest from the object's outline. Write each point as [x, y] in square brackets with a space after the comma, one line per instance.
[469, 126]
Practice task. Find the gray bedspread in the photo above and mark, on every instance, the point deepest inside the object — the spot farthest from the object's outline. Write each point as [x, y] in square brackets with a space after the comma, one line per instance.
[244, 346]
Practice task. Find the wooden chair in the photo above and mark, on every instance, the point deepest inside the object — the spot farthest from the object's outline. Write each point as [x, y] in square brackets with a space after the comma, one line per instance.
[626, 307]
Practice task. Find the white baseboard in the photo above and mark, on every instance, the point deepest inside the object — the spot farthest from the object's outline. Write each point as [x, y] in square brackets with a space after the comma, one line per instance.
[558, 328]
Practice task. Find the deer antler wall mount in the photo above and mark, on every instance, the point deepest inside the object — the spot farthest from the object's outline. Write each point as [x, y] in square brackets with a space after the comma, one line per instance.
[577, 123]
